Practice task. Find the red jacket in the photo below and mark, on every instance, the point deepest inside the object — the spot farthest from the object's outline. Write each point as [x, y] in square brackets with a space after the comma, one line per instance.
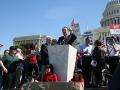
[33, 59]
[50, 77]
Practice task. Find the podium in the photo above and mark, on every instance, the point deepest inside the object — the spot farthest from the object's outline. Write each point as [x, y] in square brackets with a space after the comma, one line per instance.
[63, 58]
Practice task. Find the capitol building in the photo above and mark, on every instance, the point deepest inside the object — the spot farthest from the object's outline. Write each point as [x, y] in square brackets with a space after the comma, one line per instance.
[111, 16]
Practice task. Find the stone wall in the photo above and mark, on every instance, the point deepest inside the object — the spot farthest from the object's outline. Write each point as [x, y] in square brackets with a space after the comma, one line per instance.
[52, 86]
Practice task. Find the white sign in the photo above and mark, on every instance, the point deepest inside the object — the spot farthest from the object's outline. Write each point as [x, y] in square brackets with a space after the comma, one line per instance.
[90, 35]
[115, 29]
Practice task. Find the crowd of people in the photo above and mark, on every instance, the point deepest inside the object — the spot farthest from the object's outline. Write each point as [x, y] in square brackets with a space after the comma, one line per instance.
[95, 64]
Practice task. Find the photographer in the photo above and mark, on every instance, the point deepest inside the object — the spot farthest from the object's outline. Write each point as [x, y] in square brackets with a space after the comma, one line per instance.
[113, 53]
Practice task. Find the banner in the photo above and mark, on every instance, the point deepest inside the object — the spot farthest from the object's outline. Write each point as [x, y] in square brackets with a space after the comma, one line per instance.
[90, 35]
[115, 29]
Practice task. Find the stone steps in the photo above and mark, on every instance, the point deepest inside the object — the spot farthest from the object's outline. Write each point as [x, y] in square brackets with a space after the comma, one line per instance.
[103, 88]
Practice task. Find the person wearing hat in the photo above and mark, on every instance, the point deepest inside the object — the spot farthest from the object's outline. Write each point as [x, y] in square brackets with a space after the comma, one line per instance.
[10, 61]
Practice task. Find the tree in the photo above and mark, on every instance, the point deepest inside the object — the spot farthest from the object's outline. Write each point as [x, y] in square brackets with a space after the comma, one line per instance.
[54, 41]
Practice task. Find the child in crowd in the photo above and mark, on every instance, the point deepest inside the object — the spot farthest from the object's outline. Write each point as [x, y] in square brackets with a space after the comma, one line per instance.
[78, 77]
[49, 75]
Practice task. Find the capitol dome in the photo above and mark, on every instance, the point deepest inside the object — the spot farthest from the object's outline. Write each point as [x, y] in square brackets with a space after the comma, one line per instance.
[111, 14]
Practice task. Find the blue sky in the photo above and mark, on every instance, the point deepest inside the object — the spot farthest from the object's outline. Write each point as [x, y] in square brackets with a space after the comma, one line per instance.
[31, 17]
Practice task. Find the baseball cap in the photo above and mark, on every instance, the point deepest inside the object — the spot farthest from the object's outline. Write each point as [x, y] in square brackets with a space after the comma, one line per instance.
[12, 48]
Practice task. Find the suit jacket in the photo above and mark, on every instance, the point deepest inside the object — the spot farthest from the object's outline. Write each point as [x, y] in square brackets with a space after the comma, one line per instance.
[69, 40]
[44, 54]
[96, 55]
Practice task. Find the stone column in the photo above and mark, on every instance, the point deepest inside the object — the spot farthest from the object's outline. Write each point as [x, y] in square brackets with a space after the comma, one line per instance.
[118, 20]
[111, 21]
[115, 22]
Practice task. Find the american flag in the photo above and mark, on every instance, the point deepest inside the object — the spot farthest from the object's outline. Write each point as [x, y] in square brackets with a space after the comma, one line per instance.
[103, 45]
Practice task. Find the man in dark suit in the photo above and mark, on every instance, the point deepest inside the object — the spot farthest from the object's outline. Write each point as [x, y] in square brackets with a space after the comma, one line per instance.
[44, 53]
[67, 38]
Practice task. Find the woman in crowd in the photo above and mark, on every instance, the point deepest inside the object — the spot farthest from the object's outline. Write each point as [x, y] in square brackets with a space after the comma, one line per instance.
[33, 66]
[97, 62]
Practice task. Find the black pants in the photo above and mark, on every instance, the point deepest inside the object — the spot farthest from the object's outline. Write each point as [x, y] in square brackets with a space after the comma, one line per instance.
[9, 80]
[98, 72]
[33, 67]
[112, 61]
[86, 68]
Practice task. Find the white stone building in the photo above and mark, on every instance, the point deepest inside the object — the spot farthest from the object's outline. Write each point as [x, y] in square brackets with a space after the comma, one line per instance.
[75, 29]
[111, 14]
[33, 39]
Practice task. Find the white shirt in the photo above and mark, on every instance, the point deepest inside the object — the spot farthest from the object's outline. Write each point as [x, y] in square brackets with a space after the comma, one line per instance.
[86, 48]
[112, 52]
[20, 56]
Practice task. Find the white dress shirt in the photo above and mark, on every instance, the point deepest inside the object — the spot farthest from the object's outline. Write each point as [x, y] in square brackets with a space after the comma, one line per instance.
[86, 48]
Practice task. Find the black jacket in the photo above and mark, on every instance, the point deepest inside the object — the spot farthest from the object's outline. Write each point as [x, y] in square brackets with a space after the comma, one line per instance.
[97, 53]
[44, 54]
[70, 39]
